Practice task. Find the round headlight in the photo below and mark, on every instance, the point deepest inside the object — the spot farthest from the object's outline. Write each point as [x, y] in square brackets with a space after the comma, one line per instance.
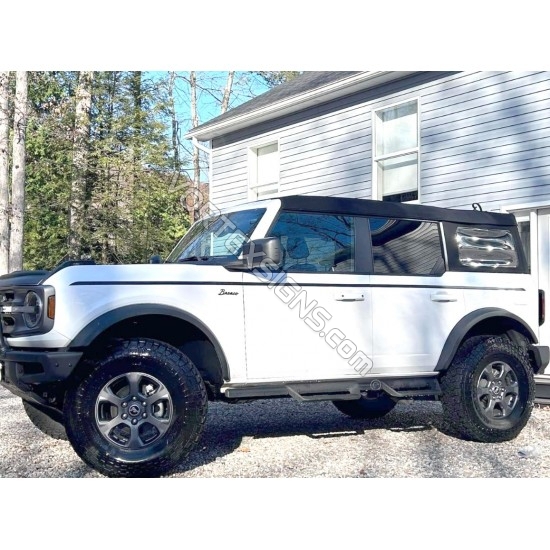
[33, 309]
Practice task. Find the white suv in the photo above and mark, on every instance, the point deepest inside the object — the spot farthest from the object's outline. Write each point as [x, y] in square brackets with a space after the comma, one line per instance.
[354, 301]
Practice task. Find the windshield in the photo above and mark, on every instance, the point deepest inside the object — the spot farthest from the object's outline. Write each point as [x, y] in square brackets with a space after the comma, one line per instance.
[220, 237]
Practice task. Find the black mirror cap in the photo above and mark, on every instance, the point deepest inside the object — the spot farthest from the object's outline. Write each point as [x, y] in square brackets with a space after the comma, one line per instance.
[155, 259]
[256, 252]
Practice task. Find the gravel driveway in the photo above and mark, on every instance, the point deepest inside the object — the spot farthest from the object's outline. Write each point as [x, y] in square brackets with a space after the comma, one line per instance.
[284, 438]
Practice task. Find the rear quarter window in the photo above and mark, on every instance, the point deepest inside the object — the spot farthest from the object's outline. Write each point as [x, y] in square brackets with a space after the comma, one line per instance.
[484, 249]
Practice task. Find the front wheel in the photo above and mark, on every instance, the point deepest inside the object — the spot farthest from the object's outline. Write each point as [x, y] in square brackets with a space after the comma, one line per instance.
[139, 412]
[489, 390]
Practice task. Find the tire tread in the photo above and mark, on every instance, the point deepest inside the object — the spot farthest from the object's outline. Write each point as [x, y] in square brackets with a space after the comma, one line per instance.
[48, 422]
[193, 392]
[458, 412]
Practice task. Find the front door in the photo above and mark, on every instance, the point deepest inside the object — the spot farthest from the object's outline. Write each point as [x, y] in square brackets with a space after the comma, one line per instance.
[313, 319]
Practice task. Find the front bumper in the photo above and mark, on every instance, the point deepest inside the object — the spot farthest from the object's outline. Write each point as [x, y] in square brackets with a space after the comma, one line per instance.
[22, 371]
[42, 367]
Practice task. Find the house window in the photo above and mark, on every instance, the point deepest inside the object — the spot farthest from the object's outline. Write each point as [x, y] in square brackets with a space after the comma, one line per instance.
[396, 153]
[264, 171]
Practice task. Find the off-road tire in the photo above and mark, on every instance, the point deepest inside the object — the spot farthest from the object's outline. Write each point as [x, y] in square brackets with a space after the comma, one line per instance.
[366, 407]
[488, 392]
[137, 366]
[48, 421]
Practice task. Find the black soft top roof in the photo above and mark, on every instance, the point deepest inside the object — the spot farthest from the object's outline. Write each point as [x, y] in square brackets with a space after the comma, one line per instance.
[365, 207]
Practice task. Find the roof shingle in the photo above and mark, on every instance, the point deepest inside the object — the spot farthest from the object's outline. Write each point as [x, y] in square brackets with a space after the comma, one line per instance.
[305, 82]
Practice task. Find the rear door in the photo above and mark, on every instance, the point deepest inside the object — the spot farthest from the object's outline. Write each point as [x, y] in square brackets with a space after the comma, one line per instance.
[415, 305]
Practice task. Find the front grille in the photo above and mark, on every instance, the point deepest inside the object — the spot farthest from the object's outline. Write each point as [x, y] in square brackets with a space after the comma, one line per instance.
[13, 309]
[8, 300]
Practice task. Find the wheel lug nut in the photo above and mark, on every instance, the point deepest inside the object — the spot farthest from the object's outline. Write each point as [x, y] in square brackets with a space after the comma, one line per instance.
[124, 404]
[134, 398]
[134, 421]
[144, 403]
[144, 415]
[124, 416]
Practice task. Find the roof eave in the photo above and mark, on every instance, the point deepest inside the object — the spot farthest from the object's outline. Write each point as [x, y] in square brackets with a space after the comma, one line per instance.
[340, 88]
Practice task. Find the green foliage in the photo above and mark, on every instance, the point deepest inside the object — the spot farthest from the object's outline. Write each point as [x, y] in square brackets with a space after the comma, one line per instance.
[48, 173]
[135, 187]
[134, 205]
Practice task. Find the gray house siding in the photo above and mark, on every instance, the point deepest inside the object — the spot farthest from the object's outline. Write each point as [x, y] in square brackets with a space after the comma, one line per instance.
[486, 140]
[324, 150]
[320, 155]
[484, 137]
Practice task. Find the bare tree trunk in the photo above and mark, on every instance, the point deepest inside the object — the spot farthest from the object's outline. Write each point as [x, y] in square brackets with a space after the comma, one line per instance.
[18, 172]
[136, 85]
[137, 153]
[195, 209]
[227, 91]
[4, 173]
[80, 163]
[175, 140]
[113, 193]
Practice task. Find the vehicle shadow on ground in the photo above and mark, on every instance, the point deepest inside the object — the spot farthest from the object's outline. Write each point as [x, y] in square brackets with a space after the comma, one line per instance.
[230, 426]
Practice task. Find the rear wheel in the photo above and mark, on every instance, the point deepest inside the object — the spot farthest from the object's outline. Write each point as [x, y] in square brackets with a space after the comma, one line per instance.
[489, 390]
[139, 412]
[367, 407]
[48, 421]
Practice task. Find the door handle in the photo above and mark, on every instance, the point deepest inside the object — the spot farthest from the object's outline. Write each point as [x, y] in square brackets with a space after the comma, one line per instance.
[443, 297]
[346, 296]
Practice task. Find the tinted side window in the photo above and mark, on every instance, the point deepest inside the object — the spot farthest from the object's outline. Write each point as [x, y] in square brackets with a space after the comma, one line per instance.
[316, 242]
[406, 247]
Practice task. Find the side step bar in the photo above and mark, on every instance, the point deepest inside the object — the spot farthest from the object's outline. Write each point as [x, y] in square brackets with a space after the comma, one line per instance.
[337, 390]
[399, 388]
[542, 384]
[301, 394]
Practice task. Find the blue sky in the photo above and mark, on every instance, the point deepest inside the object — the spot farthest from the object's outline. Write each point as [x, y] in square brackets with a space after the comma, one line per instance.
[245, 86]
[210, 91]
[211, 85]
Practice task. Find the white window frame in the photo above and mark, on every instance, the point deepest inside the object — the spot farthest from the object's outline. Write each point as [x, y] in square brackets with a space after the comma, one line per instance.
[530, 212]
[253, 167]
[376, 158]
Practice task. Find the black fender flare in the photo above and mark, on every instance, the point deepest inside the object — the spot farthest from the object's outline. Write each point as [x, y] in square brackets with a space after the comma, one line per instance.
[467, 323]
[99, 325]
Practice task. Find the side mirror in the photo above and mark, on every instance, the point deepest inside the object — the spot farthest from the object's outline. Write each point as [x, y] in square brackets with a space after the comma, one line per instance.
[256, 252]
[156, 259]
